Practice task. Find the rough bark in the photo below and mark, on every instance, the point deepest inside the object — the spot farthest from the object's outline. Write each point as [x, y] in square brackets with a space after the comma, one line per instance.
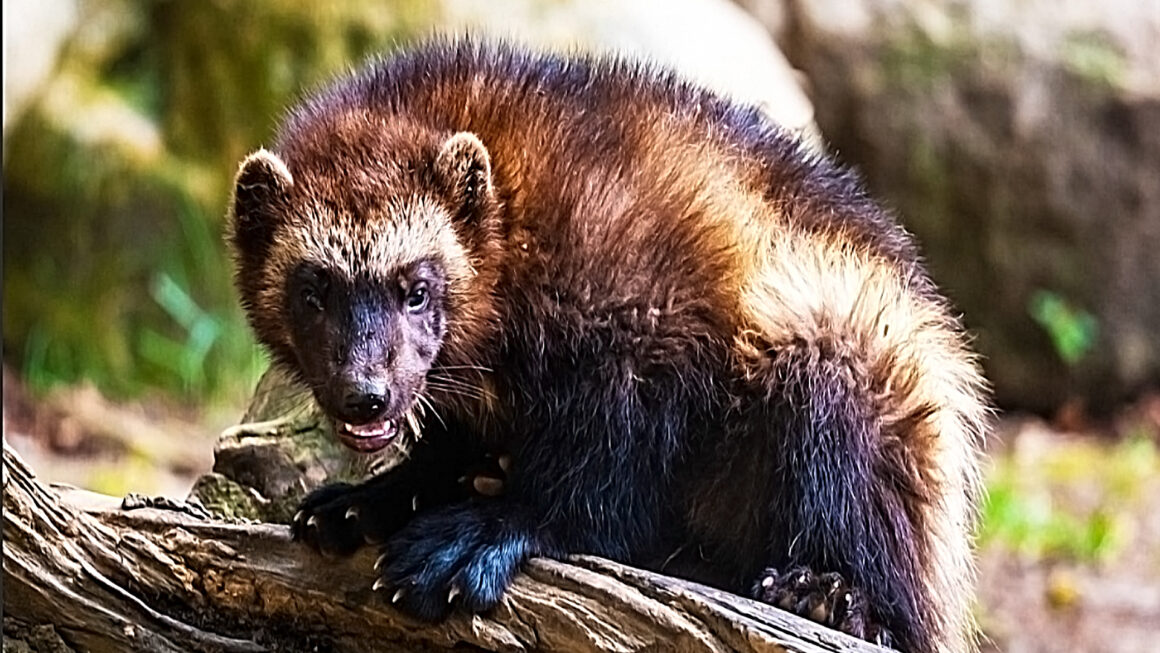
[108, 579]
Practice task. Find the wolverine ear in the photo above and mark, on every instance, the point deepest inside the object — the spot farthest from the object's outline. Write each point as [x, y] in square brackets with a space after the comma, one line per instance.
[464, 166]
[262, 181]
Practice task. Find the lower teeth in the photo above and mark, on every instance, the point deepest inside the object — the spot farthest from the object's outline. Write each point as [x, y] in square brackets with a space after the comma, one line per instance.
[364, 432]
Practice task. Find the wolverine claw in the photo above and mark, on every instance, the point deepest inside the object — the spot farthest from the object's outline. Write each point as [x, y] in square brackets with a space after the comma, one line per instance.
[351, 512]
[884, 638]
[827, 599]
[378, 585]
[488, 487]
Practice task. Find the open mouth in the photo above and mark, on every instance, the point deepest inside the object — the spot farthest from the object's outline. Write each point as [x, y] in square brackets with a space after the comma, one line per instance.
[367, 438]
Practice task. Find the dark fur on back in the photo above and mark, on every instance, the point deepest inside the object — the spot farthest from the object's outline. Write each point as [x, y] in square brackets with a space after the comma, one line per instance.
[704, 346]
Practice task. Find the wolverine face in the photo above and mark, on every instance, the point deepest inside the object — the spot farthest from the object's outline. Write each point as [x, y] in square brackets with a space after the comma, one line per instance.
[355, 265]
[364, 345]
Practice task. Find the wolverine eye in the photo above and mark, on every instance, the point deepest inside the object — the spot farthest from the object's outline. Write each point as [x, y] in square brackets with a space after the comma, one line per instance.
[316, 287]
[307, 290]
[418, 297]
[310, 298]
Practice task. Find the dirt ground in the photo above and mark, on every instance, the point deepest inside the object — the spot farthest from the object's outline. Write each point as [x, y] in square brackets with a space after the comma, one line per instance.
[1069, 550]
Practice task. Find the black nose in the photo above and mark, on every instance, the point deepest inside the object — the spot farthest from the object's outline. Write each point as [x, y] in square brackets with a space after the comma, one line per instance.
[362, 403]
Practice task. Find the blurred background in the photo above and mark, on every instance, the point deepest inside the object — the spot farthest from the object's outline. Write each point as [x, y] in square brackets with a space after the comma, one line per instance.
[1019, 141]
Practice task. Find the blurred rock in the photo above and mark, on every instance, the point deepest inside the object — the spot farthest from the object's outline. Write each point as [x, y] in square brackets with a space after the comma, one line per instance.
[1020, 141]
[712, 42]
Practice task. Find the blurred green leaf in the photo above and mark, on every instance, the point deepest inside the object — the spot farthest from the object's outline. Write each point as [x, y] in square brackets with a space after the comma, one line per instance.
[1072, 330]
[1028, 507]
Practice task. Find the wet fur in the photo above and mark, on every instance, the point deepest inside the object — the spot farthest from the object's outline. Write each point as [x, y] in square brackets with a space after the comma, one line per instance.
[706, 348]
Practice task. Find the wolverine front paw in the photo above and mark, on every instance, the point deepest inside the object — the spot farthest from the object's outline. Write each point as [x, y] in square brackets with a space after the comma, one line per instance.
[825, 598]
[338, 519]
[456, 556]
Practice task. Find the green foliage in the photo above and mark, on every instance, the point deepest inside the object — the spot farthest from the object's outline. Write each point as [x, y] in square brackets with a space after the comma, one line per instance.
[1072, 330]
[1070, 501]
[1094, 56]
[1034, 525]
[184, 359]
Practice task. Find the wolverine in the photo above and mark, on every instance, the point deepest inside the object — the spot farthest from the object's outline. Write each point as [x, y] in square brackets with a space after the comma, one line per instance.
[701, 345]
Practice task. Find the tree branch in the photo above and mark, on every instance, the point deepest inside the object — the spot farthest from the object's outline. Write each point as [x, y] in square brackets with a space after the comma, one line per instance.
[160, 580]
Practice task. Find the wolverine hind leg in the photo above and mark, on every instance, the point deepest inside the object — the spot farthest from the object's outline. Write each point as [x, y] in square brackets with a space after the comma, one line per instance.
[847, 498]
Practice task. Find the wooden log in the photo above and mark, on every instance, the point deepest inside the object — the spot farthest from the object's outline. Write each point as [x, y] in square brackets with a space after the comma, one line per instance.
[108, 579]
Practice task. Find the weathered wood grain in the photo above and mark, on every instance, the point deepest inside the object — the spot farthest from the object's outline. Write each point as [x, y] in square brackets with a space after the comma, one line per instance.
[107, 579]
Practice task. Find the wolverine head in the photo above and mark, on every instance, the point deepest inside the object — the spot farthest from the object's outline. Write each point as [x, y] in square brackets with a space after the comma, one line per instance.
[356, 250]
